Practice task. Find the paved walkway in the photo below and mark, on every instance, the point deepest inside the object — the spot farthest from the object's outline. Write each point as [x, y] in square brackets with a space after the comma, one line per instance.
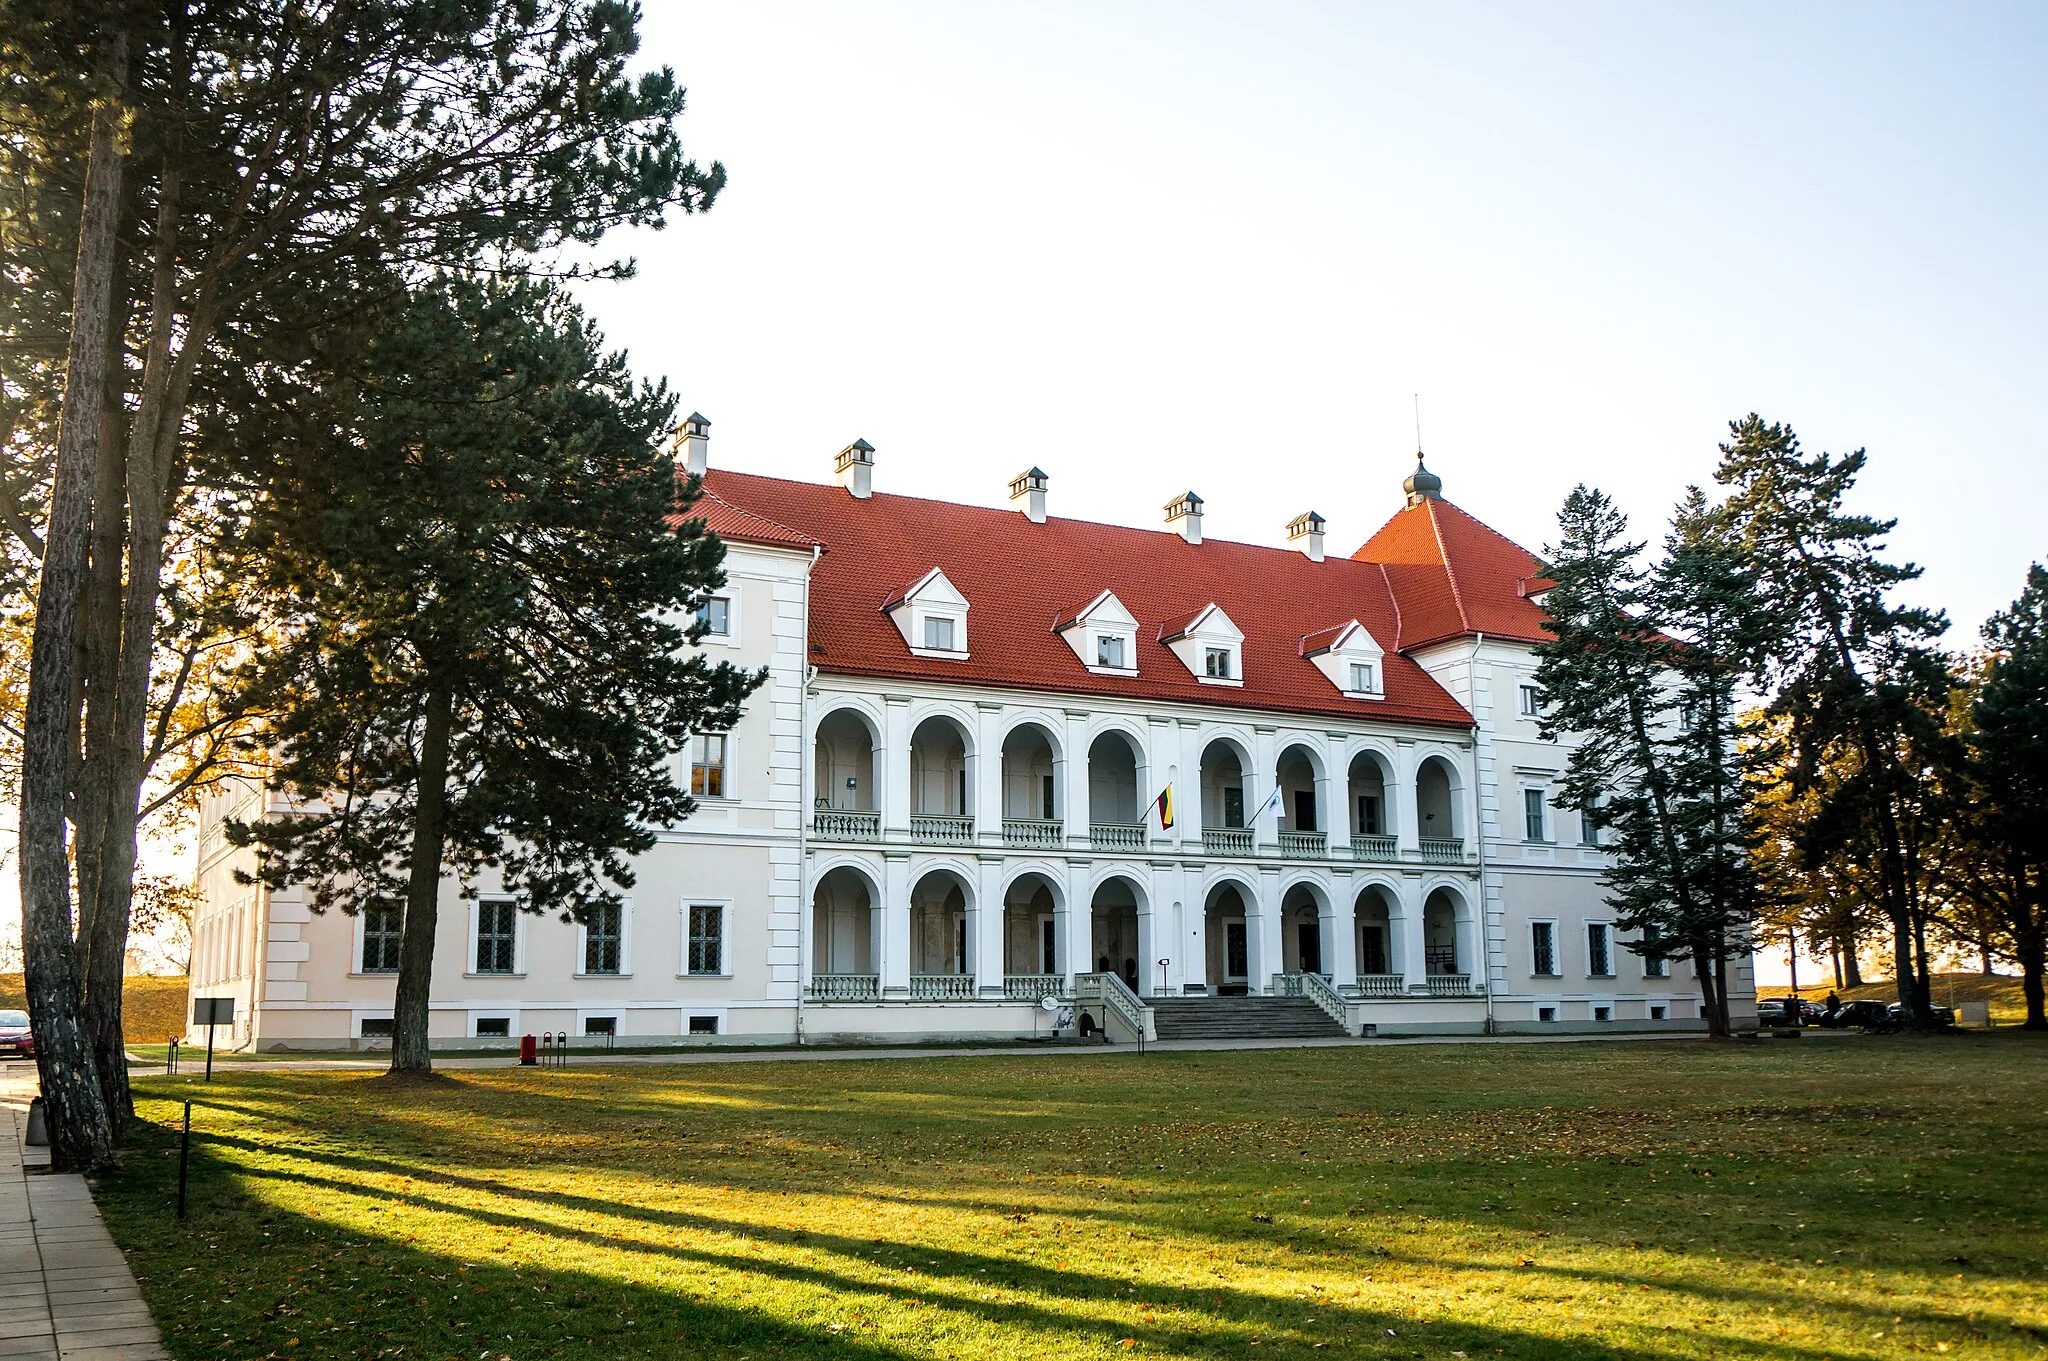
[66, 1293]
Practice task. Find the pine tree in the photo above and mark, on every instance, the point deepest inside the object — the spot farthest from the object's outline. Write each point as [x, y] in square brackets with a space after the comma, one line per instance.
[1854, 676]
[476, 667]
[1649, 717]
[271, 166]
[2003, 822]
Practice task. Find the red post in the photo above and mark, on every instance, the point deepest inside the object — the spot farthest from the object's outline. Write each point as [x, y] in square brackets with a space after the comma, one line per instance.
[529, 1051]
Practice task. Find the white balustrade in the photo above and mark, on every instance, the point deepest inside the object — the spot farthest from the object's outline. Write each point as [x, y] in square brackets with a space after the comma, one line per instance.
[1375, 848]
[846, 987]
[831, 824]
[1304, 845]
[1033, 833]
[942, 987]
[1442, 851]
[1030, 987]
[1227, 840]
[941, 830]
[1381, 985]
[1117, 836]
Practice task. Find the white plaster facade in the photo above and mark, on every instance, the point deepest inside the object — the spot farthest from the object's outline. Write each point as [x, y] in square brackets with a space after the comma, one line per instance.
[918, 858]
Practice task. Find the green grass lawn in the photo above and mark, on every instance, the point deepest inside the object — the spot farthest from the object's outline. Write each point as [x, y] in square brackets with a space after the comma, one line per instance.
[1838, 1198]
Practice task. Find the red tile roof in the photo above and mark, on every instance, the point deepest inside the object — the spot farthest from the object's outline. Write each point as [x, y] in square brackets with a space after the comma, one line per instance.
[1454, 577]
[1019, 577]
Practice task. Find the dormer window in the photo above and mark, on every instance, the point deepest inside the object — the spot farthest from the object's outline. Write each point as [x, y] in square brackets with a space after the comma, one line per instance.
[1103, 634]
[1209, 645]
[1351, 658]
[931, 614]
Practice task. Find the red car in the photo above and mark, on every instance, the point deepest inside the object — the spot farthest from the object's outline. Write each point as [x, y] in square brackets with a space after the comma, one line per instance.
[15, 1040]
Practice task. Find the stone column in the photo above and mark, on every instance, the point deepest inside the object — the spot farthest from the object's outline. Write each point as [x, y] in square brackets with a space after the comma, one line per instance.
[1070, 777]
[1408, 932]
[1340, 942]
[1263, 933]
[986, 779]
[1195, 929]
[892, 763]
[986, 929]
[894, 965]
[1399, 804]
[1069, 930]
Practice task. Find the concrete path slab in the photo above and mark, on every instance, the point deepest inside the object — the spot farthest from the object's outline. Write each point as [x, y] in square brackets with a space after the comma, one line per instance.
[66, 1293]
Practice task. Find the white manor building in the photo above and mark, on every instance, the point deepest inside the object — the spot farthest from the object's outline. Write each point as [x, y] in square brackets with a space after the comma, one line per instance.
[943, 806]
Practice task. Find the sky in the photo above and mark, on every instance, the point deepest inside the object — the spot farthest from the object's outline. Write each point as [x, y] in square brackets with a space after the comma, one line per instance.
[1232, 247]
[1227, 248]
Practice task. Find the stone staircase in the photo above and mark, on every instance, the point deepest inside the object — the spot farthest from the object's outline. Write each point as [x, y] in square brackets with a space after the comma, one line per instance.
[1242, 1018]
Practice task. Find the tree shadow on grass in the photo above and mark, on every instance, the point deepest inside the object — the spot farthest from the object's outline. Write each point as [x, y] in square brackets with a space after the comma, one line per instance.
[1231, 1318]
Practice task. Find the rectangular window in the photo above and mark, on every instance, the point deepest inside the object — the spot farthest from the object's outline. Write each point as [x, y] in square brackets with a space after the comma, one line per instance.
[707, 938]
[1369, 815]
[707, 765]
[1654, 966]
[1233, 807]
[603, 935]
[383, 924]
[1045, 797]
[600, 1025]
[703, 1025]
[1109, 650]
[1216, 662]
[377, 1027]
[493, 1027]
[497, 934]
[716, 612]
[1658, 1012]
[1589, 835]
[1543, 949]
[1530, 707]
[1599, 950]
[1533, 816]
[1546, 1014]
[1363, 681]
[1603, 1013]
[938, 634]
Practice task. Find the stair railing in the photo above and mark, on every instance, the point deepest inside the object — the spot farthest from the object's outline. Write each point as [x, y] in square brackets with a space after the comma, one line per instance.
[1318, 990]
[1117, 1000]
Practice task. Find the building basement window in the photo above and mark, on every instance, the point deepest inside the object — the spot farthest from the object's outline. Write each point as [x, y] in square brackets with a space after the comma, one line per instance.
[493, 1027]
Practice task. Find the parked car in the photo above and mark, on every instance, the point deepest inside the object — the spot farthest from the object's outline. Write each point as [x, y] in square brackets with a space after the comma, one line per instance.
[1943, 1016]
[1866, 1013]
[1780, 1011]
[16, 1040]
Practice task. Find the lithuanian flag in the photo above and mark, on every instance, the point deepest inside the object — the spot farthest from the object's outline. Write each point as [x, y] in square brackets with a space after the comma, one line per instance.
[1163, 806]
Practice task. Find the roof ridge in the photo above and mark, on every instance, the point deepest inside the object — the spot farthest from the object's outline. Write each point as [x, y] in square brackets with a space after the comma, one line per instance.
[1450, 572]
[1003, 512]
[1394, 599]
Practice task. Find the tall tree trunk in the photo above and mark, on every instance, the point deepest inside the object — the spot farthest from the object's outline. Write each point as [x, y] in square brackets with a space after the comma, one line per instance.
[1852, 967]
[97, 857]
[81, 1135]
[423, 895]
[2031, 988]
[1984, 953]
[152, 479]
[1835, 955]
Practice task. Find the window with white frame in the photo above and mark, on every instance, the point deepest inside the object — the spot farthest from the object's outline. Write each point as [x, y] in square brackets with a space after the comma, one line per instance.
[1216, 663]
[497, 935]
[1599, 950]
[707, 765]
[604, 937]
[1543, 949]
[493, 1027]
[1531, 703]
[1535, 816]
[706, 939]
[1654, 965]
[1109, 650]
[1589, 834]
[383, 928]
[716, 614]
[1364, 678]
[938, 634]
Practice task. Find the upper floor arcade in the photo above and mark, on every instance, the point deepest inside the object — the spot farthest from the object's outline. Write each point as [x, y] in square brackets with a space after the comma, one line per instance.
[938, 769]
